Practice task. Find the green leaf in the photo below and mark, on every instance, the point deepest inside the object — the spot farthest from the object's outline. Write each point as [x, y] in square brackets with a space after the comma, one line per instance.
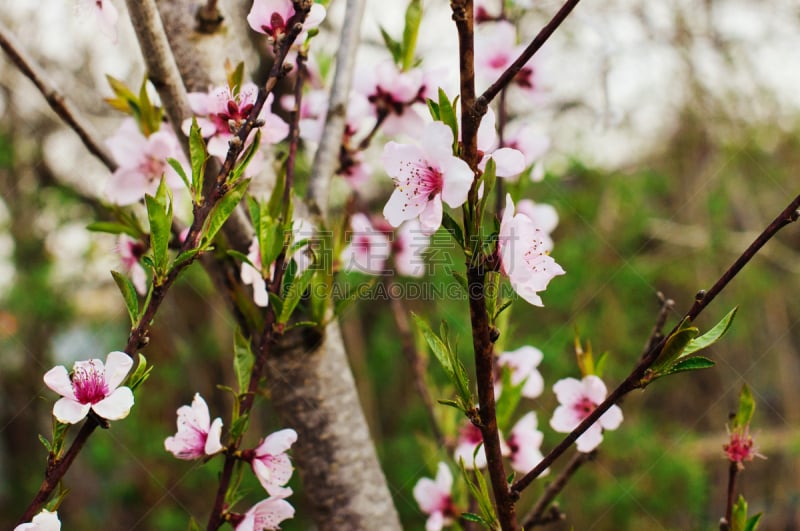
[480, 493]
[694, 363]
[433, 108]
[186, 256]
[222, 211]
[140, 374]
[128, 294]
[159, 233]
[454, 228]
[712, 336]
[462, 281]
[235, 78]
[752, 522]
[197, 157]
[600, 364]
[294, 293]
[193, 525]
[45, 443]
[739, 515]
[243, 360]
[245, 159]
[239, 426]
[747, 406]
[450, 403]
[112, 227]
[448, 115]
[182, 173]
[503, 306]
[674, 346]
[394, 47]
[275, 204]
[410, 32]
[471, 517]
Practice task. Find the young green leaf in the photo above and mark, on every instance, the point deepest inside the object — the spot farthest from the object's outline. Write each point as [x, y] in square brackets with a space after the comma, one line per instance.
[674, 346]
[693, 363]
[452, 226]
[140, 374]
[182, 173]
[471, 517]
[394, 47]
[433, 108]
[295, 292]
[197, 157]
[508, 400]
[235, 78]
[239, 426]
[245, 159]
[488, 179]
[112, 227]
[222, 211]
[128, 294]
[159, 233]
[242, 360]
[712, 336]
[747, 406]
[448, 114]
[410, 32]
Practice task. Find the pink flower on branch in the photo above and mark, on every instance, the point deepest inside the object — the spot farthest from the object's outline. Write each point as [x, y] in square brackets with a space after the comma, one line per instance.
[266, 515]
[523, 363]
[271, 17]
[578, 398]
[251, 275]
[197, 436]
[740, 447]
[130, 252]
[524, 443]
[369, 248]
[424, 176]
[106, 15]
[94, 386]
[435, 499]
[44, 521]
[524, 255]
[272, 465]
[142, 162]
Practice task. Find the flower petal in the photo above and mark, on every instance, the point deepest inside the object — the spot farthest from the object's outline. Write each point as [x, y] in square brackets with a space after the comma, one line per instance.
[213, 444]
[70, 411]
[612, 418]
[590, 439]
[58, 380]
[118, 364]
[115, 406]
[277, 443]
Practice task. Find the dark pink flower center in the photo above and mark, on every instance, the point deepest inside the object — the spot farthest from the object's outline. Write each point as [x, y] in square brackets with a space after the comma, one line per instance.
[470, 433]
[89, 383]
[525, 78]
[740, 448]
[362, 243]
[152, 168]
[428, 181]
[277, 25]
[498, 61]
[584, 407]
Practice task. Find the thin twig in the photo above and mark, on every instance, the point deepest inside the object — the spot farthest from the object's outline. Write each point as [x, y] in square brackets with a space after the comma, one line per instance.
[658, 328]
[537, 515]
[789, 215]
[327, 157]
[508, 75]
[62, 106]
[733, 471]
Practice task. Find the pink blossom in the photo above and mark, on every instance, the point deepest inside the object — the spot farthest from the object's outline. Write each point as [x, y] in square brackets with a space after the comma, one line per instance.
[271, 17]
[220, 114]
[495, 50]
[272, 465]
[92, 385]
[469, 438]
[394, 95]
[740, 447]
[524, 443]
[435, 499]
[424, 176]
[266, 515]
[106, 14]
[44, 521]
[523, 248]
[523, 363]
[130, 252]
[142, 161]
[543, 215]
[252, 275]
[577, 399]
[509, 162]
[369, 248]
[532, 143]
[197, 436]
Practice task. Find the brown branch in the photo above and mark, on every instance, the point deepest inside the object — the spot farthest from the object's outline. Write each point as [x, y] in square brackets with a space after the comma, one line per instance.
[733, 471]
[658, 328]
[62, 106]
[789, 215]
[537, 515]
[508, 75]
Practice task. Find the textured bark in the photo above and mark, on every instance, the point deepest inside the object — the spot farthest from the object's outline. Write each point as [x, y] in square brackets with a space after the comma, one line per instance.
[314, 392]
